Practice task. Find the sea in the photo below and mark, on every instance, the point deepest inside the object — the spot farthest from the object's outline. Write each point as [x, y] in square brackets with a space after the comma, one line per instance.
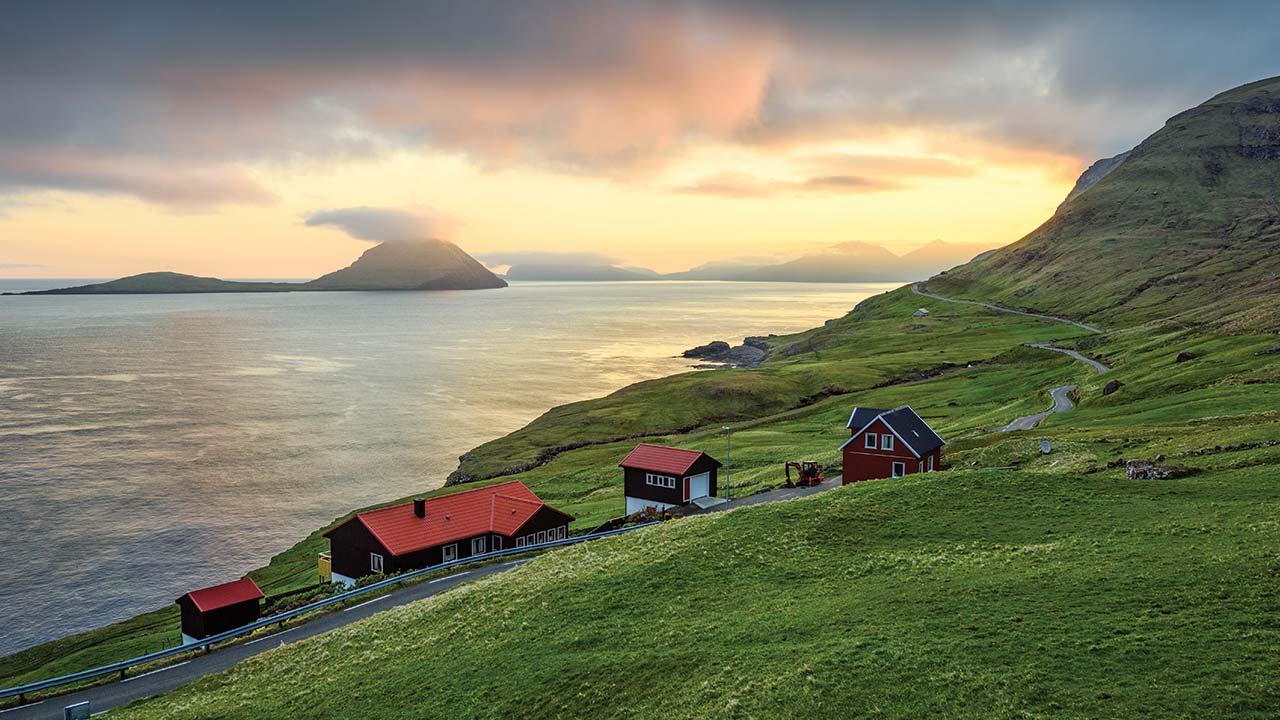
[154, 444]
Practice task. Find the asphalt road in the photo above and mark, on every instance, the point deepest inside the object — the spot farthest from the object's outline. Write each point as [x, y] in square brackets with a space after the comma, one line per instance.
[134, 687]
[1061, 403]
[1096, 365]
[915, 287]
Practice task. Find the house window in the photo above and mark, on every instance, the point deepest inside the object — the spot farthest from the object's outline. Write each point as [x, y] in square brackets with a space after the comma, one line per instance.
[930, 465]
[497, 543]
[542, 536]
[659, 480]
[519, 542]
[886, 442]
[870, 443]
[899, 469]
[477, 546]
[451, 552]
[375, 563]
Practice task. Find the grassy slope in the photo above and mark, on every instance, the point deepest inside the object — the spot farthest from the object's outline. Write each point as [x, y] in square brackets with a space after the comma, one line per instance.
[1188, 225]
[962, 594]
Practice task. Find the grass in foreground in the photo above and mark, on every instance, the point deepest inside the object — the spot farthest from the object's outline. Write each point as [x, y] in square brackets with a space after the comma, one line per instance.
[960, 594]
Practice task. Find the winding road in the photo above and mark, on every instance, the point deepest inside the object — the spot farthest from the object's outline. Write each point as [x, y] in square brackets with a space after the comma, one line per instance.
[1061, 395]
[915, 288]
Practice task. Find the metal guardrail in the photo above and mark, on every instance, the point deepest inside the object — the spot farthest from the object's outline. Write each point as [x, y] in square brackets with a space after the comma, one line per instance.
[123, 665]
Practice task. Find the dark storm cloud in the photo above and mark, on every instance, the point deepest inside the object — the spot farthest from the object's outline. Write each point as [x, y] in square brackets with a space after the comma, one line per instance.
[164, 101]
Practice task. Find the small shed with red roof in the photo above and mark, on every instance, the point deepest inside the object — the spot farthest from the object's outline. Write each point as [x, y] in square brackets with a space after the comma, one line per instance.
[661, 477]
[217, 609]
[436, 530]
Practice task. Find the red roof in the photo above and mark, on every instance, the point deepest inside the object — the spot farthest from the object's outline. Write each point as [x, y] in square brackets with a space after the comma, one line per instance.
[220, 596]
[501, 509]
[657, 458]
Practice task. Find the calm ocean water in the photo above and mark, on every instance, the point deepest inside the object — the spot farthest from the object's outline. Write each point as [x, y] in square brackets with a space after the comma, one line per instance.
[154, 444]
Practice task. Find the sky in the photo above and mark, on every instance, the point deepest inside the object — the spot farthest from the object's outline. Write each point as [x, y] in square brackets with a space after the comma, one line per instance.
[277, 140]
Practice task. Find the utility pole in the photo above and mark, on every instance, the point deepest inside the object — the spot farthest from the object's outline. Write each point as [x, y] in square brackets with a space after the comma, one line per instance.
[728, 462]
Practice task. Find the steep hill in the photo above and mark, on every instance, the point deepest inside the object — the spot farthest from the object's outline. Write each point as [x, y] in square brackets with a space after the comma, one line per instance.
[1188, 225]
[418, 265]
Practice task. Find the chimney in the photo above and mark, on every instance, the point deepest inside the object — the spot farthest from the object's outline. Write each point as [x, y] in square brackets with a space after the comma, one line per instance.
[420, 507]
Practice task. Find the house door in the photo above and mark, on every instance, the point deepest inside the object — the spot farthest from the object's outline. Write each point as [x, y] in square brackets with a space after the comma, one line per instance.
[699, 486]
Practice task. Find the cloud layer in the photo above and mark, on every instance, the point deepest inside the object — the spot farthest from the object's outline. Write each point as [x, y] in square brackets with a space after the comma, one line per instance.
[386, 224]
[170, 102]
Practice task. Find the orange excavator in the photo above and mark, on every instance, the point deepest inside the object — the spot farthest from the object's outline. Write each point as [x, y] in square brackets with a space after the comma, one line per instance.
[808, 472]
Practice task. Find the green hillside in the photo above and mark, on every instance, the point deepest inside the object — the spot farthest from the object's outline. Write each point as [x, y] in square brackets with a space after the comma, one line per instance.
[965, 594]
[1188, 225]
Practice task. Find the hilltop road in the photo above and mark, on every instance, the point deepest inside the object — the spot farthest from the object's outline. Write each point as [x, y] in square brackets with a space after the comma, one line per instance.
[915, 288]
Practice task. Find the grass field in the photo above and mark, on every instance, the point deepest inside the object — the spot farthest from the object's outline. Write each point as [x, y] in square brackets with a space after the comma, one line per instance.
[984, 594]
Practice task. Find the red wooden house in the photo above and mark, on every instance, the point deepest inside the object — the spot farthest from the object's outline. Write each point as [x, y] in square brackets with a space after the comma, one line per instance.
[889, 443]
[432, 531]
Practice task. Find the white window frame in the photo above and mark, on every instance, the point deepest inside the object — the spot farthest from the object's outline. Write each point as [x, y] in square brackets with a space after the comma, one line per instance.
[886, 441]
[477, 546]
[895, 472]
[497, 543]
[656, 480]
[376, 563]
[870, 441]
[560, 532]
[446, 550]
[520, 542]
[930, 464]
[542, 536]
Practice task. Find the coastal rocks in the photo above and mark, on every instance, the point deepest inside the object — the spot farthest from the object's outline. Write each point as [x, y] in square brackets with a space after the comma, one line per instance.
[757, 341]
[1184, 356]
[708, 351]
[1111, 387]
[719, 354]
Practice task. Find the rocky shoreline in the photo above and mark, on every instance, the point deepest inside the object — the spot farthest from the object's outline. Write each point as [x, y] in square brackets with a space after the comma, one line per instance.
[719, 354]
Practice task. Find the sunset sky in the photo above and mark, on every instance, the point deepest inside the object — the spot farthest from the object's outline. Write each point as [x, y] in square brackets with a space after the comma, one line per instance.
[216, 139]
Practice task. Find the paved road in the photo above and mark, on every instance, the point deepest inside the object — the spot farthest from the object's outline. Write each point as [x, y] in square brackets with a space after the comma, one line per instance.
[1096, 365]
[1061, 403]
[916, 289]
[122, 692]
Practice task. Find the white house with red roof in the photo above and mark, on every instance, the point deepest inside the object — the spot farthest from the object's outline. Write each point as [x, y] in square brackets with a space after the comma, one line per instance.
[659, 477]
[431, 531]
[217, 609]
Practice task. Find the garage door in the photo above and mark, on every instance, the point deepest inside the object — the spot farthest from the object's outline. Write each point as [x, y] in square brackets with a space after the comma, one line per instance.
[699, 486]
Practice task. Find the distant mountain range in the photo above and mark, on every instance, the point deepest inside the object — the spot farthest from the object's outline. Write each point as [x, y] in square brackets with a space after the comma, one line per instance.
[413, 265]
[846, 262]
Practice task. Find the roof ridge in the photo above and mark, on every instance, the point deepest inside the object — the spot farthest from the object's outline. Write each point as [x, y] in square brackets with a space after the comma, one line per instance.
[518, 499]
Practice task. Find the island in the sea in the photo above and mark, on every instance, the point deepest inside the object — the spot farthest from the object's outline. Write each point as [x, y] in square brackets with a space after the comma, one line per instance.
[412, 265]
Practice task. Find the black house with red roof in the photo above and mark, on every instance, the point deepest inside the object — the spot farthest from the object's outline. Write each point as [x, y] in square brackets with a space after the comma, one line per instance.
[429, 532]
[217, 609]
[661, 477]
